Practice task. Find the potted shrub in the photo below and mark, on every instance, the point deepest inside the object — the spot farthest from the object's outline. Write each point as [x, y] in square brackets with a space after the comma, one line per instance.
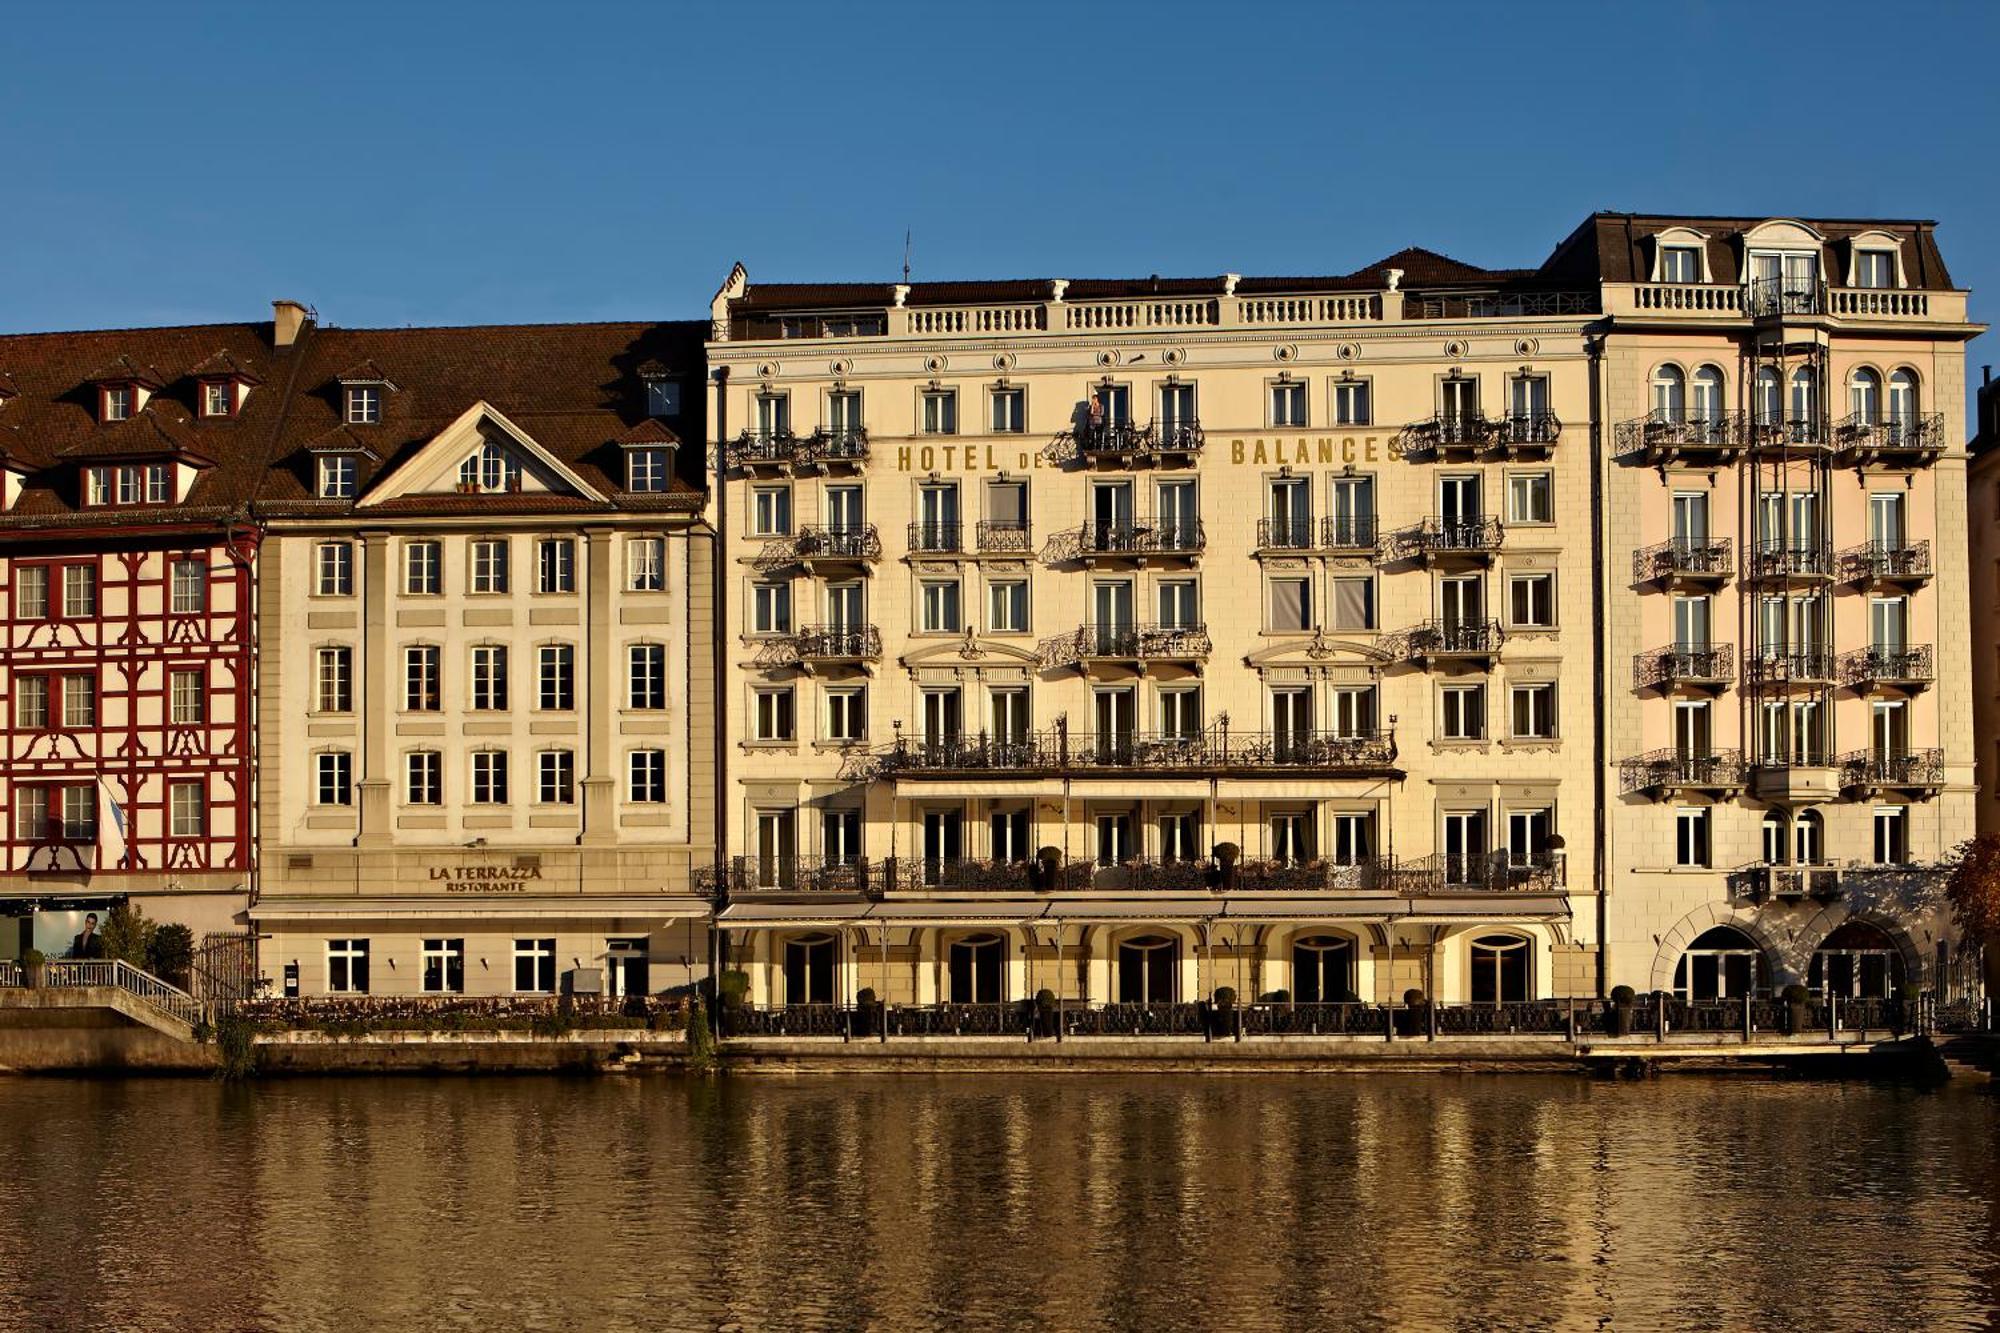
[866, 1006]
[1622, 998]
[1226, 854]
[1903, 1013]
[34, 963]
[1045, 875]
[1797, 1002]
[1222, 1011]
[1045, 1012]
[1414, 1021]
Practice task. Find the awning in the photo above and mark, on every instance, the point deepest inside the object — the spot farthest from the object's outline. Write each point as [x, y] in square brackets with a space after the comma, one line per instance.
[1012, 786]
[663, 907]
[1086, 910]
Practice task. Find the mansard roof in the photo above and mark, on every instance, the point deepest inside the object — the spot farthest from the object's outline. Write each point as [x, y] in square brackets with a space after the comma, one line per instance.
[1618, 247]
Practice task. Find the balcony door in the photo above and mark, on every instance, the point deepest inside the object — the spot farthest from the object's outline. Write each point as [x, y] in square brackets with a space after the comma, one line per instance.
[1690, 520]
[1177, 412]
[943, 722]
[1691, 624]
[1528, 397]
[1885, 520]
[1291, 721]
[1458, 501]
[777, 849]
[1460, 399]
[1179, 516]
[1353, 838]
[1111, 616]
[937, 518]
[1114, 838]
[1116, 718]
[1461, 602]
[1693, 729]
[1147, 970]
[976, 970]
[843, 509]
[1011, 833]
[944, 844]
[1708, 397]
[809, 969]
[1889, 728]
[1353, 711]
[1527, 833]
[1010, 716]
[1464, 846]
[1291, 837]
[1354, 511]
[1180, 607]
[1291, 512]
[1180, 837]
[1888, 625]
[844, 610]
[1110, 514]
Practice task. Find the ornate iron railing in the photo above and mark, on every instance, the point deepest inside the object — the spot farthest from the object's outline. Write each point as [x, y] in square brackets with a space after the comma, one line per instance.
[1658, 770]
[1447, 430]
[801, 873]
[1486, 872]
[1871, 561]
[1684, 663]
[1783, 666]
[1913, 434]
[835, 444]
[1215, 749]
[1448, 536]
[1661, 433]
[936, 538]
[1338, 533]
[1126, 642]
[1684, 557]
[1897, 768]
[763, 446]
[1783, 296]
[1811, 755]
[999, 535]
[1773, 559]
[860, 643]
[1445, 638]
[1526, 430]
[1762, 883]
[1142, 536]
[1878, 665]
[823, 542]
[1101, 441]
[1790, 432]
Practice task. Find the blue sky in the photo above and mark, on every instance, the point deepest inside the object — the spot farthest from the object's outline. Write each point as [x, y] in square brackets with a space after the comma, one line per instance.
[453, 163]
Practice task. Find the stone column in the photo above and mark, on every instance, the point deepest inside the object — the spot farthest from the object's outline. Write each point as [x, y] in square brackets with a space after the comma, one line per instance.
[374, 707]
[602, 685]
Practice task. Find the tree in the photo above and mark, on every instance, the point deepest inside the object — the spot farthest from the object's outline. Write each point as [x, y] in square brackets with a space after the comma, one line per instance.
[1973, 888]
[127, 934]
[170, 953]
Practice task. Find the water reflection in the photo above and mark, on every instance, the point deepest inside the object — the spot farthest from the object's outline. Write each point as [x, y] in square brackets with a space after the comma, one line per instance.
[1139, 1203]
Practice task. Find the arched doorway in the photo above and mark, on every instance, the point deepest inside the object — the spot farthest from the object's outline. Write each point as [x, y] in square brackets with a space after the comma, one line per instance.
[1148, 970]
[809, 969]
[1857, 962]
[1322, 969]
[1722, 964]
[1499, 969]
[976, 970]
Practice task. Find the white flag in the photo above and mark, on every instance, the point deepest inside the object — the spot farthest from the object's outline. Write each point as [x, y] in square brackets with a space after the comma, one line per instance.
[111, 830]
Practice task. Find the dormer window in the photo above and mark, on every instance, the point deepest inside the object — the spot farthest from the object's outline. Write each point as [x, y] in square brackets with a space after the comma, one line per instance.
[663, 397]
[364, 404]
[116, 402]
[126, 484]
[336, 477]
[218, 398]
[490, 471]
[648, 469]
[1680, 263]
[1874, 268]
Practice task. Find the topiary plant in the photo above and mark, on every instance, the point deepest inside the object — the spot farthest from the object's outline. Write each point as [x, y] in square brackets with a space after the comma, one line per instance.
[1797, 994]
[1225, 997]
[1413, 998]
[734, 988]
[1623, 996]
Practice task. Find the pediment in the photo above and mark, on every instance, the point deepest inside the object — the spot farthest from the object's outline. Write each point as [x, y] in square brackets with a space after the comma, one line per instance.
[436, 467]
[1783, 234]
[1318, 649]
[971, 649]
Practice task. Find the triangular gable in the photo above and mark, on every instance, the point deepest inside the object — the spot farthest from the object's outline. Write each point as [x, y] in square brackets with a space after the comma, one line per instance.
[434, 468]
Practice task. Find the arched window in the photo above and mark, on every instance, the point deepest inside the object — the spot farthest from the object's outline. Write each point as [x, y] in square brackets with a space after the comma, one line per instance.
[491, 469]
[1803, 413]
[1774, 837]
[1857, 962]
[1499, 969]
[1902, 399]
[1148, 968]
[1708, 395]
[1722, 964]
[1669, 394]
[1864, 397]
[809, 969]
[1808, 839]
[976, 969]
[1323, 970]
[1769, 397]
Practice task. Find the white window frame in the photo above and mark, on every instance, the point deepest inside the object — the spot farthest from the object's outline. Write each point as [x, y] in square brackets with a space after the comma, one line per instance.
[335, 476]
[646, 777]
[190, 586]
[555, 565]
[646, 677]
[333, 679]
[645, 564]
[363, 405]
[555, 777]
[489, 778]
[423, 778]
[423, 568]
[488, 675]
[555, 677]
[333, 569]
[333, 778]
[488, 566]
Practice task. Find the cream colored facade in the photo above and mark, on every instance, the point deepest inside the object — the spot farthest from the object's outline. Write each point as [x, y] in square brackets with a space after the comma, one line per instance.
[1265, 638]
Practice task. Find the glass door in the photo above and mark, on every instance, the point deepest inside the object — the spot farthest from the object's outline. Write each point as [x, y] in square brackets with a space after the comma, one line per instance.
[1353, 511]
[1353, 711]
[1291, 513]
[777, 850]
[1291, 722]
[1691, 624]
[1291, 833]
[944, 844]
[1114, 839]
[937, 518]
[1885, 521]
[1116, 720]
[1111, 617]
[1111, 515]
[1464, 847]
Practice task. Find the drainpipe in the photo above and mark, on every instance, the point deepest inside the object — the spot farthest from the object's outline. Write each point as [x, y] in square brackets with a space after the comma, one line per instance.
[718, 945]
[1600, 816]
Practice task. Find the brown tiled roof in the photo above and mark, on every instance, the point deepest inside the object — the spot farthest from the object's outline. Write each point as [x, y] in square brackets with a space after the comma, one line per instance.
[367, 372]
[8, 389]
[649, 431]
[341, 440]
[221, 364]
[1616, 247]
[123, 369]
[160, 429]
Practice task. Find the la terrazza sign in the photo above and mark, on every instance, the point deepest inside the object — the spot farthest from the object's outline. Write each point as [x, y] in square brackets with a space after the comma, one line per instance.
[484, 879]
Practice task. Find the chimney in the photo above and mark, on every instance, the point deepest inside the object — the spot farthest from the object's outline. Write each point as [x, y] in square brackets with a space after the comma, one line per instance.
[287, 318]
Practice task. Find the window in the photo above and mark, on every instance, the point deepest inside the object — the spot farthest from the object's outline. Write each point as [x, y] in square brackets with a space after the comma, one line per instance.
[1874, 268]
[1291, 605]
[31, 592]
[1691, 837]
[187, 810]
[422, 684]
[1354, 603]
[186, 702]
[1010, 411]
[1892, 835]
[117, 402]
[555, 566]
[1352, 403]
[555, 676]
[1180, 713]
[847, 715]
[364, 404]
[772, 717]
[1531, 600]
[774, 415]
[79, 814]
[555, 777]
[334, 566]
[422, 569]
[645, 564]
[444, 966]
[663, 397]
[1288, 404]
[79, 701]
[31, 702]
[333, 778]
[190, 586]
[347, 967]
[79, 591]
[489, 564]
[1530, 497]
[938, 412]
[1007, 606]
[1680, 263]
[423, 777]
[646, 676]
[1533, 710]
[218, 398]
[491, 470]
[648, 469]
[336, 477]
[1179, 603]
[489, 677]
[31, 814]
[535, 966]
[649, 777]
[939, 599]
[489, 777]
[1458, 398]
[771, 608]
[1463, 709]
[1290, 525]
[843, 413]
[770, 511]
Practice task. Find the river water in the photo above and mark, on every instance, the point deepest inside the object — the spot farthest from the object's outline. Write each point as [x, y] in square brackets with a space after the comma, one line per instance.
[1047, 1201]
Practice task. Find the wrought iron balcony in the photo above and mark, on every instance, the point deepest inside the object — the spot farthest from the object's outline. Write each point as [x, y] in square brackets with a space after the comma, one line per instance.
[1792, 560]
[1128, 444]
[1527, 433]
[1447, 434]
[1446, 640]
[835, 445]
[1287, 534]
[1348, 533]
[1768, 666]
[934, 538]
[818, 544]
[800, 873]
[1132, 643]
[1685, 560]
[1139, 539]
[1704, 665]
[1667, 771]
[1662, 437]
[1908, 667]
[1437, 540]
[1365, 874]
[763, 448]
[1763, 883]
[1082, 754]
[1872, 770]
[1789, 434]
[1499, 871]
[1873, 563]
[1864, 439]
[1004, 536]
[1764, 298]
[940, 874]
[832, 644]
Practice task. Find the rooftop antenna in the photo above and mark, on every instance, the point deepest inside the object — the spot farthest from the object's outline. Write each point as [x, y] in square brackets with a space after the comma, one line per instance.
[906, 254]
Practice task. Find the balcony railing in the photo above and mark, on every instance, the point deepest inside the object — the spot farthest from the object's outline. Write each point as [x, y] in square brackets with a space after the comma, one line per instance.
[1445, 638]
[1130, 643]
[1659, 435]
[1684, 558]
[801, 873]
[1137, 537]
[1784, 296]
[835, 444]
[1483, 872]
[1005, 536]
[1440, 538]
[1863, 437]
[1337, 533]
[838, 643]
[757, 446]
[1787, 666]
[1763, 883]
[1876, 562]
[1711, 664]
[935, 538]
[1530, 430]
[1121, 441]
[1214, 750]
[1788, 560]
[1672, 769]
[1448, 432]
[1814, 755]
[1791, 432]
[1878, 303]
[1878, 665]
[919, 874]
[822, 542]
[1861, 769]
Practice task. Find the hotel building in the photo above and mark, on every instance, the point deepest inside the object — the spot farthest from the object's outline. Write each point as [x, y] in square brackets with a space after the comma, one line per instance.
[484, 623]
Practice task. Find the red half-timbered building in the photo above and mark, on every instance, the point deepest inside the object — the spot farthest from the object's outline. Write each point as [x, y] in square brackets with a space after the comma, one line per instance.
[127, 613]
